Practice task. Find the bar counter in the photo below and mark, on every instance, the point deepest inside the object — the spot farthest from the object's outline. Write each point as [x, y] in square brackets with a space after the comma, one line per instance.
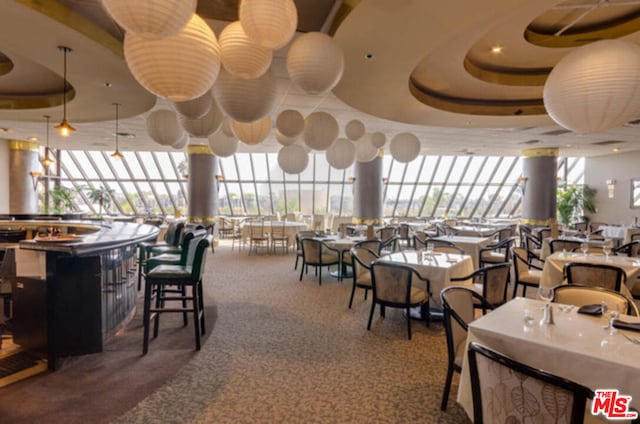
[75, 284]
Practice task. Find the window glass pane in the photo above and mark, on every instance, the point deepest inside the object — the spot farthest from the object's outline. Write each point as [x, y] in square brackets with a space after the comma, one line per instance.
[443, 169]
[149, 165]
[457, 206]
[83, 162]
[228, 168]
[120, 170]
[134, 165]
[576, 171]
[390, 199]
[320, 196]
[264, 196]
[163, 198]
[260, 166]
[335, 198]
[307, 174]
[397, 169]
[277, 192]
[428, 169]
[166, 169]
[403, 200]
[487, 170]
[250, 201]
[69, 165]
[474, 169]
[418, 197]
[244, 166]
[413, 168]
[101, 165]
[307, 196]
[502, 169]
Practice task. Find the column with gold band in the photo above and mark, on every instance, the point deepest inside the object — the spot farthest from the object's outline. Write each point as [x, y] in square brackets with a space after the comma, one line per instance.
[203, 186]
[539, 184]
[24, 174]
[367, 192]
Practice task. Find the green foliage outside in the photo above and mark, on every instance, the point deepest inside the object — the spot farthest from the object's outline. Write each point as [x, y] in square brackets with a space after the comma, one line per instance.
[62, 200]
[573, 202]
[100, 195]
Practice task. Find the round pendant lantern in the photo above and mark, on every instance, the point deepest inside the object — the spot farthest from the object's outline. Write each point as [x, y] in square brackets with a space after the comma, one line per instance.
[182, 142]
[241, 56]
[315, 63]
[290, 123]
[205, 126]
[196, 108]
[223, 145]
[293, 159]
[163, 127]
[245, 100]
[252, 133]
[378, 139]
[596, 87]
[320, 130]
[269, 23]
[341, 153]
[151, 18]
[354, 129]
[226, 127]
[179, 68]
[365, 150]
[404, 147]
[283, 139]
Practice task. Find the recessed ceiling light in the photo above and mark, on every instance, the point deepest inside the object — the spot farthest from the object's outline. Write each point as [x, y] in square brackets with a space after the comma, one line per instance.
[497, 49]
[33, 139]
[369, 55]
[615, 149]
[126, 135]
[4, 130]
[568, 145]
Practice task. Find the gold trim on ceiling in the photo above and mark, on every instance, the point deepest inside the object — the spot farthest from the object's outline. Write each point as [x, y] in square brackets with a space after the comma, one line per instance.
[474, 106]
[507, 76]
[552, 152]
[199, 149]
[28, 146]
[30, 101]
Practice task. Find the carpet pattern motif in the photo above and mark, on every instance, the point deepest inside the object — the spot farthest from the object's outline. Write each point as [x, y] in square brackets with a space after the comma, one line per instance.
[288, 351]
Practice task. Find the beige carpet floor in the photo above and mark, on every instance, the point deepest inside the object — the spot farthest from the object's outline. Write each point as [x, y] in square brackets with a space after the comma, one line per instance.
[288, 351]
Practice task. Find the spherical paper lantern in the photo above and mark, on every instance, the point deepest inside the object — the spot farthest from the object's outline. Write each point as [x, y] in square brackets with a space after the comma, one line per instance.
[270, 23]
[245, 100]
[354, 129]
[283, 139]
[293, 159]
[320, 130]
[341, 153]
[365, 150]
[179, 68]
[205, 126]
[196, 108]
[182, 142]
[151, 18]
[596, 87]
[163, 127]
[223, 145]
[290, 123]
[241, 56]
[404, 147]
[378, 139]
[226, 127]
[315, 63]
[252, 133]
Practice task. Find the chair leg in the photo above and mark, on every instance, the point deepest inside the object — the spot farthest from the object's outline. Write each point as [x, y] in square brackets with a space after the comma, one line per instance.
[373, 306]
[320, 275]
[196, 314]
[301, 271]
[515, 288]
[409, 323]
[185, 320]
[201, 299]
[159, 304]
[353, 291]
[382, 311]
[146, 315]
[296, 265]
[447, 388]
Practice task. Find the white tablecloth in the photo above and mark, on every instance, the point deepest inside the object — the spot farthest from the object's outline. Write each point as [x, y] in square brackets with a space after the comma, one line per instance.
[545, 251]
[439, 268]
[619, 232]
[474, 230]
[575, 347]
[470, 245]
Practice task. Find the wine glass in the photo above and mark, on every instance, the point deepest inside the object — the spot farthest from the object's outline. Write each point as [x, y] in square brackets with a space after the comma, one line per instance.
[606, 248]
[612, 314]
[585, 248]
[545, 293]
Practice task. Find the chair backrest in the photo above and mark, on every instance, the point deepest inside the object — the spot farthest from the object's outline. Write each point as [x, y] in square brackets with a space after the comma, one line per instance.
[170, 234]
[594, 275]
[524, 230]
[197, 262]
[458, 312]
[278, 229]
[437, 242]
[214, 229]
[558, 245]
[544, 233]
[635, 236]
[362, 260]
[385, 233]
[583, 295]
[631, 249]
[420, 235]
[391, 283]
[595, 226]
[490, 370]
[495, 281]
[374, 245]
[404, 231]
[580, 226]
[256, 228]
[178, 235]
[520, 264]
[311, 250]
[186, 243]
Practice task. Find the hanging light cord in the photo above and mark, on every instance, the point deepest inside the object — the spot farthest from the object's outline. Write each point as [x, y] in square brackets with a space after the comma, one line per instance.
[65, 50]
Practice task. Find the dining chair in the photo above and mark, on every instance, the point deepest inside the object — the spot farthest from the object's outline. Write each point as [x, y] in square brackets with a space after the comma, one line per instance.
[491, 282]
[496, 253]
[544, 233]
[226, 227]
[404, 236]
[556, 398]
[299, 236]
[595, 275]
[214, 229]
[458, 307]
[389, 246]
[7, 275]
[533, 247]
[258, 239]
[526, 274]
[279, 237]
[559, 245]
[631, 249]
[374, 245]
[386, 233]
[392, 286]
[595, 226]
[584, 295]
[317, 254]
[448, 249]
[362, 258]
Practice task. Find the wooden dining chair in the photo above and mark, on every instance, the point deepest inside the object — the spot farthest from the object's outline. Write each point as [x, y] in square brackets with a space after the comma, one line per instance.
[491, 282]
[496, 253]
[595, 275]
[526, 274]
[583, 295]
[317, 254]
[559, 245]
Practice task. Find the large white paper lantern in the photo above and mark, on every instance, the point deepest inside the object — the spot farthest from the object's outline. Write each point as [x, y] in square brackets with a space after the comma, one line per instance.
[223, 145]
[341, 153]
[226, 127]
[163, 127]
[205, 126]
[315, 63]
[320, 130]
[293, 159]
[182, 142]
[365, 150]
[290, 123]
[196, 108]
[270, 23]
[378, 139]
[596, 87]
[252, 133]
[245, 100]
[404, 147]
[283, 139]
[241, 56]
[151, 18]
[354, 129]
[179, 68]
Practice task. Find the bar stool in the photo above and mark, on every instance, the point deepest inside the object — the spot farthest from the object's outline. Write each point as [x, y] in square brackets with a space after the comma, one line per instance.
[188, 275]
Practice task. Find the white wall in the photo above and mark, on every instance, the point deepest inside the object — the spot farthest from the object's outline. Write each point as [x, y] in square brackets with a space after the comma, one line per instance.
[4, 176]
[620, 167]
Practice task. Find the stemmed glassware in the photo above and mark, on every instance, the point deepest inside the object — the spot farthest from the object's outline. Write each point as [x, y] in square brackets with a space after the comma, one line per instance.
[585, 248]
[611, 315]
[546, 294]
[606, 248]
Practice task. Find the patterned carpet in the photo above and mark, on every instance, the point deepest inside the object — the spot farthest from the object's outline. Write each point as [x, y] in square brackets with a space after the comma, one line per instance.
[290, 351]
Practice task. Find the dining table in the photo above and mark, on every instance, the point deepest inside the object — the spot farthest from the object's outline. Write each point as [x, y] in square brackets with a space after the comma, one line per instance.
[553, 269]
[471, 245]
[545, 249]
[474, 230]
[576, 347]
[341, 244]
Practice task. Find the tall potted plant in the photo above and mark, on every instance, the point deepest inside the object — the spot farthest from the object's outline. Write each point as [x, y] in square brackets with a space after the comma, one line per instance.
[100, 195]
[574, 201]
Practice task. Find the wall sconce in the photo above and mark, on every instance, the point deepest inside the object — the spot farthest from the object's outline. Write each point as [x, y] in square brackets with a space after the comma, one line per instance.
[219, 178]
[35, 177]
[385, 180]
[611, 188]
[522, 184]
[352, 180]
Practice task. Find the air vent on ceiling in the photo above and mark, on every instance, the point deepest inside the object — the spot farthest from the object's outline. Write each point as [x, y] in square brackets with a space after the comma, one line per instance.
[530, 142]
[556, 132]
[607, 142]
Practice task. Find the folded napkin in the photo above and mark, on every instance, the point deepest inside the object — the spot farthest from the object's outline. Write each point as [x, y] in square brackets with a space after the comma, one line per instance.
[595, 309]
[633, 326]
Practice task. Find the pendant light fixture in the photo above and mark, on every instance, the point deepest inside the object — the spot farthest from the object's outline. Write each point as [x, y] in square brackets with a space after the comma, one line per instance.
[117, 154]
[64, 127]
[47, 158]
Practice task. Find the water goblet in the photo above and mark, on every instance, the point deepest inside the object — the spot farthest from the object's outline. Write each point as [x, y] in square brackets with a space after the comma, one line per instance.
[585, 248]
[545, 294]
[606, 248]
[429, 249]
